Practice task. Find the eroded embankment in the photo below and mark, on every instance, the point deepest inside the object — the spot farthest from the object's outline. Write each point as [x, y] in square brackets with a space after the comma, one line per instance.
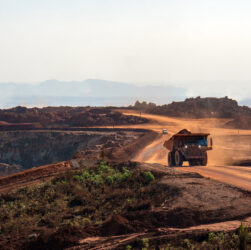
[32, 176]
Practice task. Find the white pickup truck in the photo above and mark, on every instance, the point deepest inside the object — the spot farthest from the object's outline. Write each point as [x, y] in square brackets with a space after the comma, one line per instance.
[164, 131]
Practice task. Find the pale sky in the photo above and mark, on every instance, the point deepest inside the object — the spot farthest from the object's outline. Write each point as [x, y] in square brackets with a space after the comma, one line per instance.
[176, 42]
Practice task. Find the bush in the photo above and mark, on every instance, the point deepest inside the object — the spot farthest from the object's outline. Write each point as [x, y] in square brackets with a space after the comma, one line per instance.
[103, 174]
[211, 236]
[109, 180]
[145, 243]
[243, 235]
[187, 244]
[149, 177]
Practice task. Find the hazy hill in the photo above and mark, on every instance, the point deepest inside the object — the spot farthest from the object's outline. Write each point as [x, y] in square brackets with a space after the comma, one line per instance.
[89, 92]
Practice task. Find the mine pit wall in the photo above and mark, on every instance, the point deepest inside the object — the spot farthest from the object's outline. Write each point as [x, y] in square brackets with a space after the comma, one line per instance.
[27, 149]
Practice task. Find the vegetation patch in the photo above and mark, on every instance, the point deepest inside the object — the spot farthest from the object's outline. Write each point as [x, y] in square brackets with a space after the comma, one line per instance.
[80, 198]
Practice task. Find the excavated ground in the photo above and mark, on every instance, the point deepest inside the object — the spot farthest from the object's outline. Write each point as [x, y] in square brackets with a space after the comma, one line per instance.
[193, 206]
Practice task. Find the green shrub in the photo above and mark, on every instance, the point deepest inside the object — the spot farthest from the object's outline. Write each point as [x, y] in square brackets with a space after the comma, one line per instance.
[243, 236]
[145, 243]
[109, 180]
[103, 174]
[187, 244]
[149, 177]
[211, 236]
[105, 169]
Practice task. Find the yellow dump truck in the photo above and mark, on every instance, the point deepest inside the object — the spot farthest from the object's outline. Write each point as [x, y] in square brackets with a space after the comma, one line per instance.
[187, 146]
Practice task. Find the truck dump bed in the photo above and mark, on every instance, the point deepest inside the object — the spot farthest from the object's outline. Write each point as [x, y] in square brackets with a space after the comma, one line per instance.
[182, 137]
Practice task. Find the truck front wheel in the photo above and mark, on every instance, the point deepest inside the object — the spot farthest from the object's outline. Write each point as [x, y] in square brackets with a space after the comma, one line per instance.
[178, 159]
[170, 159]
[203, 161]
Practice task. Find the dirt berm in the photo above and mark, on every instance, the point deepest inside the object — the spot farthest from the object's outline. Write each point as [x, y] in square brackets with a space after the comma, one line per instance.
[32, 176]
[129, 151]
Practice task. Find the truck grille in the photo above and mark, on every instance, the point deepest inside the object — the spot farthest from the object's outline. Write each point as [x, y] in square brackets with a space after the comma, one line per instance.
[194, 151]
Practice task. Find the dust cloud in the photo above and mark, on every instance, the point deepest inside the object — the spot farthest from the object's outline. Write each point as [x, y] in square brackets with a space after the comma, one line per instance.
[230, 146]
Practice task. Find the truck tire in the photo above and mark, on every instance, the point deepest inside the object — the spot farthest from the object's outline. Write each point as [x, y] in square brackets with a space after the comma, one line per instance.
[170, 160]
[203, 161]
[178, 159]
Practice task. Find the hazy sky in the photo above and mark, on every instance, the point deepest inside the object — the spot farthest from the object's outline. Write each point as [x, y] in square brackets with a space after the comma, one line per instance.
[140, 41]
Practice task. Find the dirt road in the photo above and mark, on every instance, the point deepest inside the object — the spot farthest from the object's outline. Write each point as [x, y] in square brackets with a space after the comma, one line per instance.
[229, 144]
[238, 176]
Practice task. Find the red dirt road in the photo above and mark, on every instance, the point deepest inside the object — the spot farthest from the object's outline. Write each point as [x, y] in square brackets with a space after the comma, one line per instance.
[217, 168]
[237, 176]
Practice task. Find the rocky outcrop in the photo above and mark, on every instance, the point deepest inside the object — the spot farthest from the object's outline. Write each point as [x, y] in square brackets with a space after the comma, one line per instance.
[199, 108]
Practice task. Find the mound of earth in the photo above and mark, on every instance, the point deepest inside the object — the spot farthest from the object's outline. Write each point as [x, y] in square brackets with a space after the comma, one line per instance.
[115, 226]
[63, 117]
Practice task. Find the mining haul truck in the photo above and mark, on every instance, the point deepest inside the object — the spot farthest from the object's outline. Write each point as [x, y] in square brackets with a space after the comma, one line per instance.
[187, 146]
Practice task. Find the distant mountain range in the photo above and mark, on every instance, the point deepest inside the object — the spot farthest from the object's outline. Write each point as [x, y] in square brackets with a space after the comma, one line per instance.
[90, 92]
